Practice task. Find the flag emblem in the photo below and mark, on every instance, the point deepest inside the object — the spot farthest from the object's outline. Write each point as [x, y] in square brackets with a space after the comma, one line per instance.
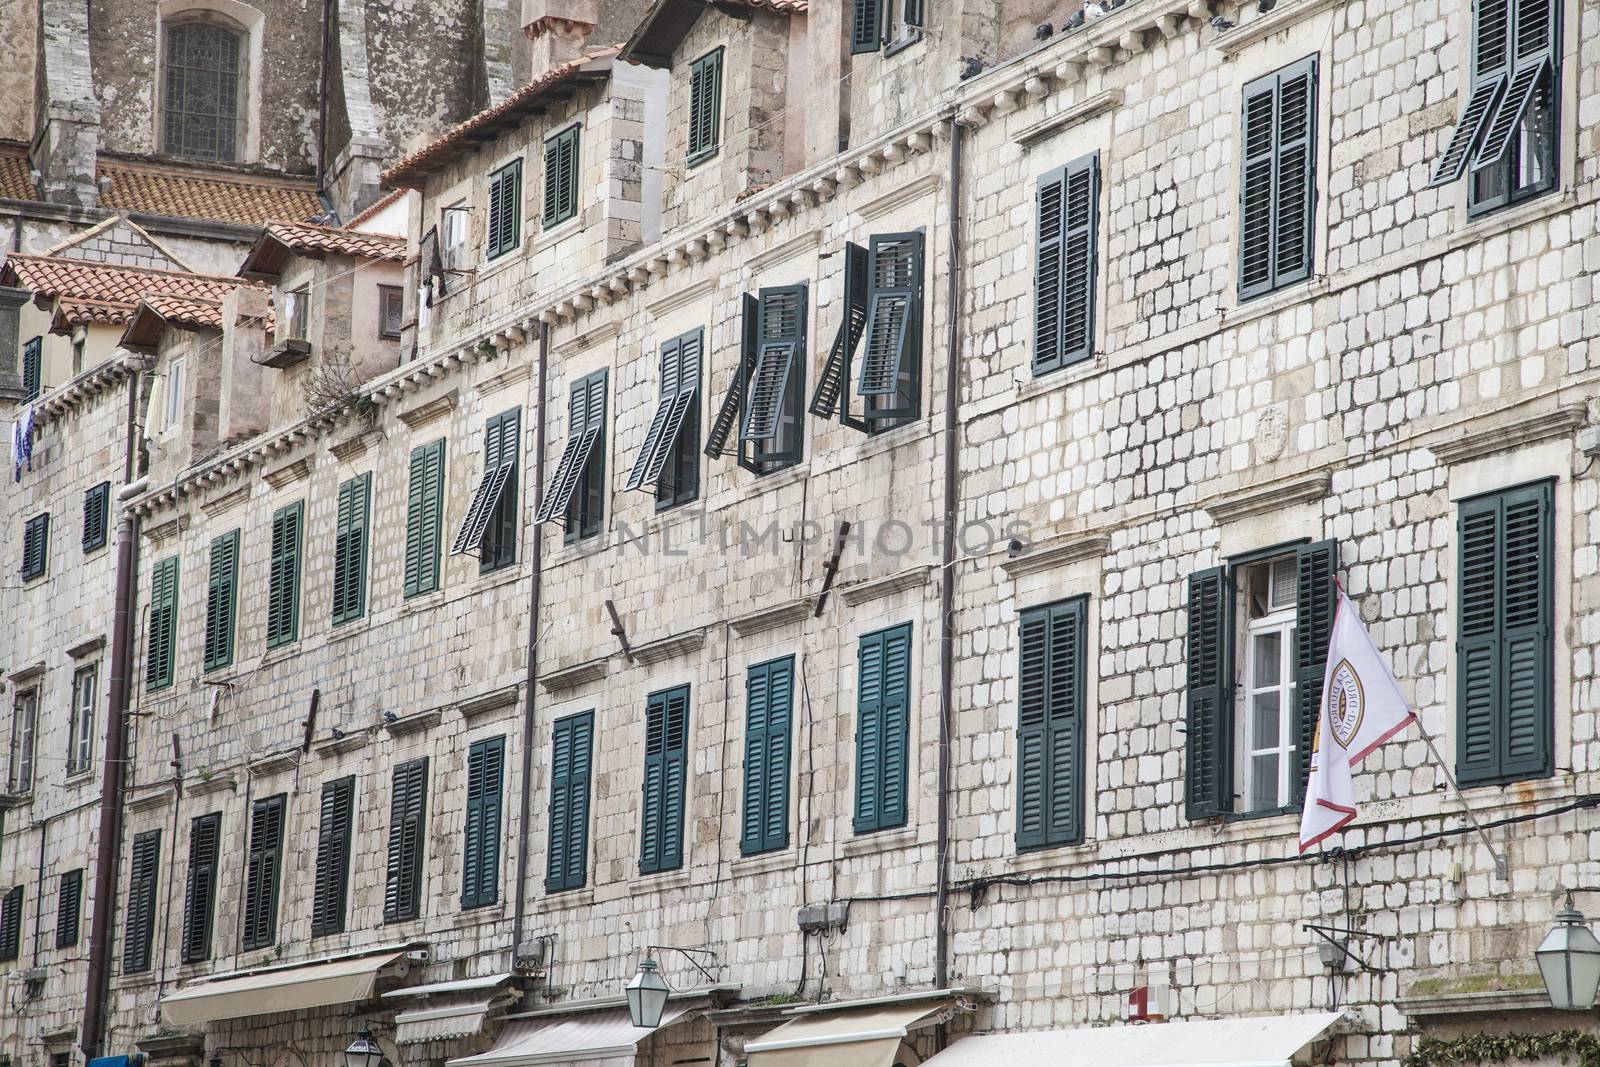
[1346, 701]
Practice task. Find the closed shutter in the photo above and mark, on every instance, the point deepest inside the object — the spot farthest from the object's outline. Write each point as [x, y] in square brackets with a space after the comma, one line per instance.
[402, 895]
[505, 197]
[1504, 652]
[32, 368]
[882, 729]
[35, 546]
[1316, 595]
[1277, 188]
[263, 872]
[665, 767]
[866, 25]
[1050, 726]
[571, 752]
[894, 314]
[424, 499]
[11, 924]
[139, 929]
[705, 106]
[163, 624]
[769, 689]
[96, 516]
[773, 390]
[221, 597]
[335, 826]
[828, 396]
[1528, 58]
[480, 851]
[1209, 721]
[200, 893]
[561, 177]
[1066, 216]
[69, 906]
[350, 549]
[283, 577]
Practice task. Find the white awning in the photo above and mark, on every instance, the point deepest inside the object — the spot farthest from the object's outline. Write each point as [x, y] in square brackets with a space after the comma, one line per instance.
[445, 1021]
[558, 1039]
[1271, 1041]
[860, 1037]
[297, 988]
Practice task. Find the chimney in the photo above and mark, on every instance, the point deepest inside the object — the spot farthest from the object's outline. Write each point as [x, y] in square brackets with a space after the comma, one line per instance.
[558, 29]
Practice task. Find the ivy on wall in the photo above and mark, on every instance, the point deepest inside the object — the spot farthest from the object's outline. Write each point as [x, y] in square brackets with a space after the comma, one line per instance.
[1578, 1047]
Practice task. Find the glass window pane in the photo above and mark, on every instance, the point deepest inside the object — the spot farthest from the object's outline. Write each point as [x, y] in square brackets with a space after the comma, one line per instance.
[1264, 781]
[1264, 730]
[1267, 655]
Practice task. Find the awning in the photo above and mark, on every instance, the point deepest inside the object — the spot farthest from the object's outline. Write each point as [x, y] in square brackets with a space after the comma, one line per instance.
[590, 1036]
[312, 985]
[446, 1021]
[1265, 1042]
[859, 1037]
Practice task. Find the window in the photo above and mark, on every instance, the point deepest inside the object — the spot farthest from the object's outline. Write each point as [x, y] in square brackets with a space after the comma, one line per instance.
[200, 97]
[222, 592]
[705, 106]
[24, 724]
[391, 311]
[402, 895]
[32, 368]
[453, 223]
[424, 502]
[886, 24]
[350, 549]
[1067, 216]
[576, 492]
[571, 750]
[767, 395]
[505, 210]
[1504, 652]
[96, 516]
[883, 306]
[79, 343]
[80, 740]
[69, 907]
[35, 547]
[1278, 179]
[666, 741]
[480, 851]
[200, 892]
[1251, 718]
[283, 576]
[883, 720]
[296, 314]
[334, 831]
[561, 177]
[669, 460]
[1050, 725]
[163, 624]
[11, 924]
[139, 927]
[490, 526]
[1507, 135]
[769, 695]
[264, 872]
[174, 397]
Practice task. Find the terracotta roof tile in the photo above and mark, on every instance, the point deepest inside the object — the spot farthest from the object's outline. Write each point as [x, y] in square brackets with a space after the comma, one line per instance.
[186, 311]
[305, 237]
[199, 193]
[15, 180]
[76, 279]
[409, 171]
[666, 22]
[71, 311]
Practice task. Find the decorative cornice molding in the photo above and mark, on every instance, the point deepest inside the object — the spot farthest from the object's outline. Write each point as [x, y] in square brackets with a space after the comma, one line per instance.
[273, 763]
[70, 396]
[765, 619]
[23, 674]
[357, 443]
[565, 678]
[681, 297]
[289, 473]
[1485, 1002]
[894, 198]
[160, 532]
[423, 414]
[87, 647]
[415, 723]
[350, 742]
[215, 784]
[1263, 499]
[666, 648]
[604, 332]
[1097, 104]
[517, 372]
[784, 252]
[1057, 552]
[1485, 437]
[156, 796]
[217, 505]
[1236, 40]
[866, 590]
[478, 706]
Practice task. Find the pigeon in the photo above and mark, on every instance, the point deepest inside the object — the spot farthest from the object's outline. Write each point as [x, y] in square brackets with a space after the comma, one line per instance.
[1092, 11]
[971, 67]
[338, 734]
[390, 718]
[1075, 21]
[1264, 6]
[1221, 22]
[1043, 32]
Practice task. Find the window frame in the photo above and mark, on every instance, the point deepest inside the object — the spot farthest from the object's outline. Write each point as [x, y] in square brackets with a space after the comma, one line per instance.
[331, 875]
[423, 572]
[69, 907]
[96, 517]
[80, 727]
[767, 768]
[567, 841]
[283, 575]
[32, 368]
[1271, 87]
[1041, 725]
[144, 871]
[483, 826]
[172, 395]
[408, 814]
[264, 873]
[232, 123]
[557, 210]
[877, 721]
[222, 601]
[391, 295]
[503, 218]
[24, 739]
[200, 888]
[351, 548]
[1052, 332]
[663, 821]
[1549, 56]
[161, 648]
[35, 548]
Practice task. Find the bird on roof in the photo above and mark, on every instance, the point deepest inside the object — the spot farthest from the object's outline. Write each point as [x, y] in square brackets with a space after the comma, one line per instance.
[1092, 11]
[1221, 22]
[1043, 32]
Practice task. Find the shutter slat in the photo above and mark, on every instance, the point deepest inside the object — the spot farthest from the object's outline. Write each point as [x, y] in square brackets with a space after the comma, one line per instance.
[407, 811]
[334, 831]
[1316, 596]
[826, 399]
[1209, 725]
[205, 833]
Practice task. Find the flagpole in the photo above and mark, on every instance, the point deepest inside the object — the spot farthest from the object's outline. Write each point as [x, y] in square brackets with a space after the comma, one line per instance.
[1502, 868]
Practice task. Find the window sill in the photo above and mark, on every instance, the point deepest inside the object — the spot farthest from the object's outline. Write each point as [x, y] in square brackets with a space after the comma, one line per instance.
[703, 156]
[900, 44]
[1492, 223]
[875, 841]
[480, 914]
[779, 859]
[566, 898]
[343, 631]
[279, 653]
[1059, 378]
[422, 602]
[656, 883]
[505, 575]
[556, 231]
[1051, 857]
[75, 779]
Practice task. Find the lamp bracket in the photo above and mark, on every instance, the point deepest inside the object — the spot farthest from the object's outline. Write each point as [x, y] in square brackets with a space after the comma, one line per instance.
[688, 954]
[1331, 934]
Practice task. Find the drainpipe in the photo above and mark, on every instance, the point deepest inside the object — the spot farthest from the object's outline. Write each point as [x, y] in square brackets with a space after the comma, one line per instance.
[947, 593]
[525, 804]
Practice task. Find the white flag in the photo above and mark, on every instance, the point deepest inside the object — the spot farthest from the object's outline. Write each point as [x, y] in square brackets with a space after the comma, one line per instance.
[1362, 707]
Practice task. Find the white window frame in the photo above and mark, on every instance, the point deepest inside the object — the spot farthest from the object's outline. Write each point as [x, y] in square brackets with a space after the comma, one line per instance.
[296, 313]
[453, 236]
[172, 412]
[24, 727]
[85, 695]
[1280, 620]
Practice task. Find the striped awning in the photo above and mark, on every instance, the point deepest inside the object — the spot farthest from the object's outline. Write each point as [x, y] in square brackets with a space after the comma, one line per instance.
[444, 1022]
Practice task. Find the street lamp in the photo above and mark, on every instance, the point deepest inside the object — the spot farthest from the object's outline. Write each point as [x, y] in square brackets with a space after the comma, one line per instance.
[363, 1051]
[647, 995]
[1569, 961]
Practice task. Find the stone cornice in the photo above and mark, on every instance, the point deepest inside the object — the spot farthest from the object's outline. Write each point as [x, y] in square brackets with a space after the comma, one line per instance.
[473, 707]
[681, 297]
[565, 678]
[666, 648]
[1485, 437]
[1236, 40]
[69, 397]
[866, 590]
[1069, 116]
[421, 415]
[1057, 552]
[289, 473]
[765, 619]
[415, 723]
[1262, 499]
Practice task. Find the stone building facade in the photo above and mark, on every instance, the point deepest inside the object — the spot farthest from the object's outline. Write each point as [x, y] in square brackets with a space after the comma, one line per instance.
[954, 674]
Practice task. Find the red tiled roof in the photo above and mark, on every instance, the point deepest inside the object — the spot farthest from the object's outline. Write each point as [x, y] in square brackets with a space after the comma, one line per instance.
[71, 311]
[409, 172]
[201, 193]
[382, 202]
[305, 237]
[184, 311]
[15, 180]
[666, 22]
[50, 276]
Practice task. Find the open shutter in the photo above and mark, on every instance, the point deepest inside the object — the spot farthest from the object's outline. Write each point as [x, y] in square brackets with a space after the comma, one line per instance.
[658, 422]
[481, 848]
[200, 895]
[781, 333]
[1530, 54]
[283, 594]
[263, 873]
[826, 399]
[690, 346]
[1491, 21]
[424, 499]
[738, 385]
[350, 549]
[1316, 595]
[866, 25]
[139, 931]
[768, 698]
[585, 423]
[334, 830]
[69, 905]
[893, 313]
[566, 860]
[1209, 725]
[407, 809]
[221, 597]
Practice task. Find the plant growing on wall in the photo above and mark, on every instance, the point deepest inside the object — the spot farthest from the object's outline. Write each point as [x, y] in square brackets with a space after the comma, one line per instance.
[1577, 1047]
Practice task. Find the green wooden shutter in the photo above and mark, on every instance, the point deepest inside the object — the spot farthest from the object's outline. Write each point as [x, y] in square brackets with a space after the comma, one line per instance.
[769, 689]
[705, 106]
[1066, 218]
[11, 924]
[283, 579]
[1316, 596]
[32, 368]
[163, 624]
[773, 392]
[200, 893]
[828, 397]
[665, 767]
[221, 599]
[264, 872]
[1504, 650]
[505, 197]
[335, 827]
[139, 929]
[1050, 726]
[424, 500]
[480, 850]
[671, 363]
[35, 547]
[866, 25]
[571, 753]
[350, 549]
[894, 314]
[1277, 190]
[69, 905]
[738, 386]
[96, 516]
[561, 177]
[1530, 61]
[1491, 20]
[497, 526]
[1209, 722]
[882, 728]
[402, 896]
